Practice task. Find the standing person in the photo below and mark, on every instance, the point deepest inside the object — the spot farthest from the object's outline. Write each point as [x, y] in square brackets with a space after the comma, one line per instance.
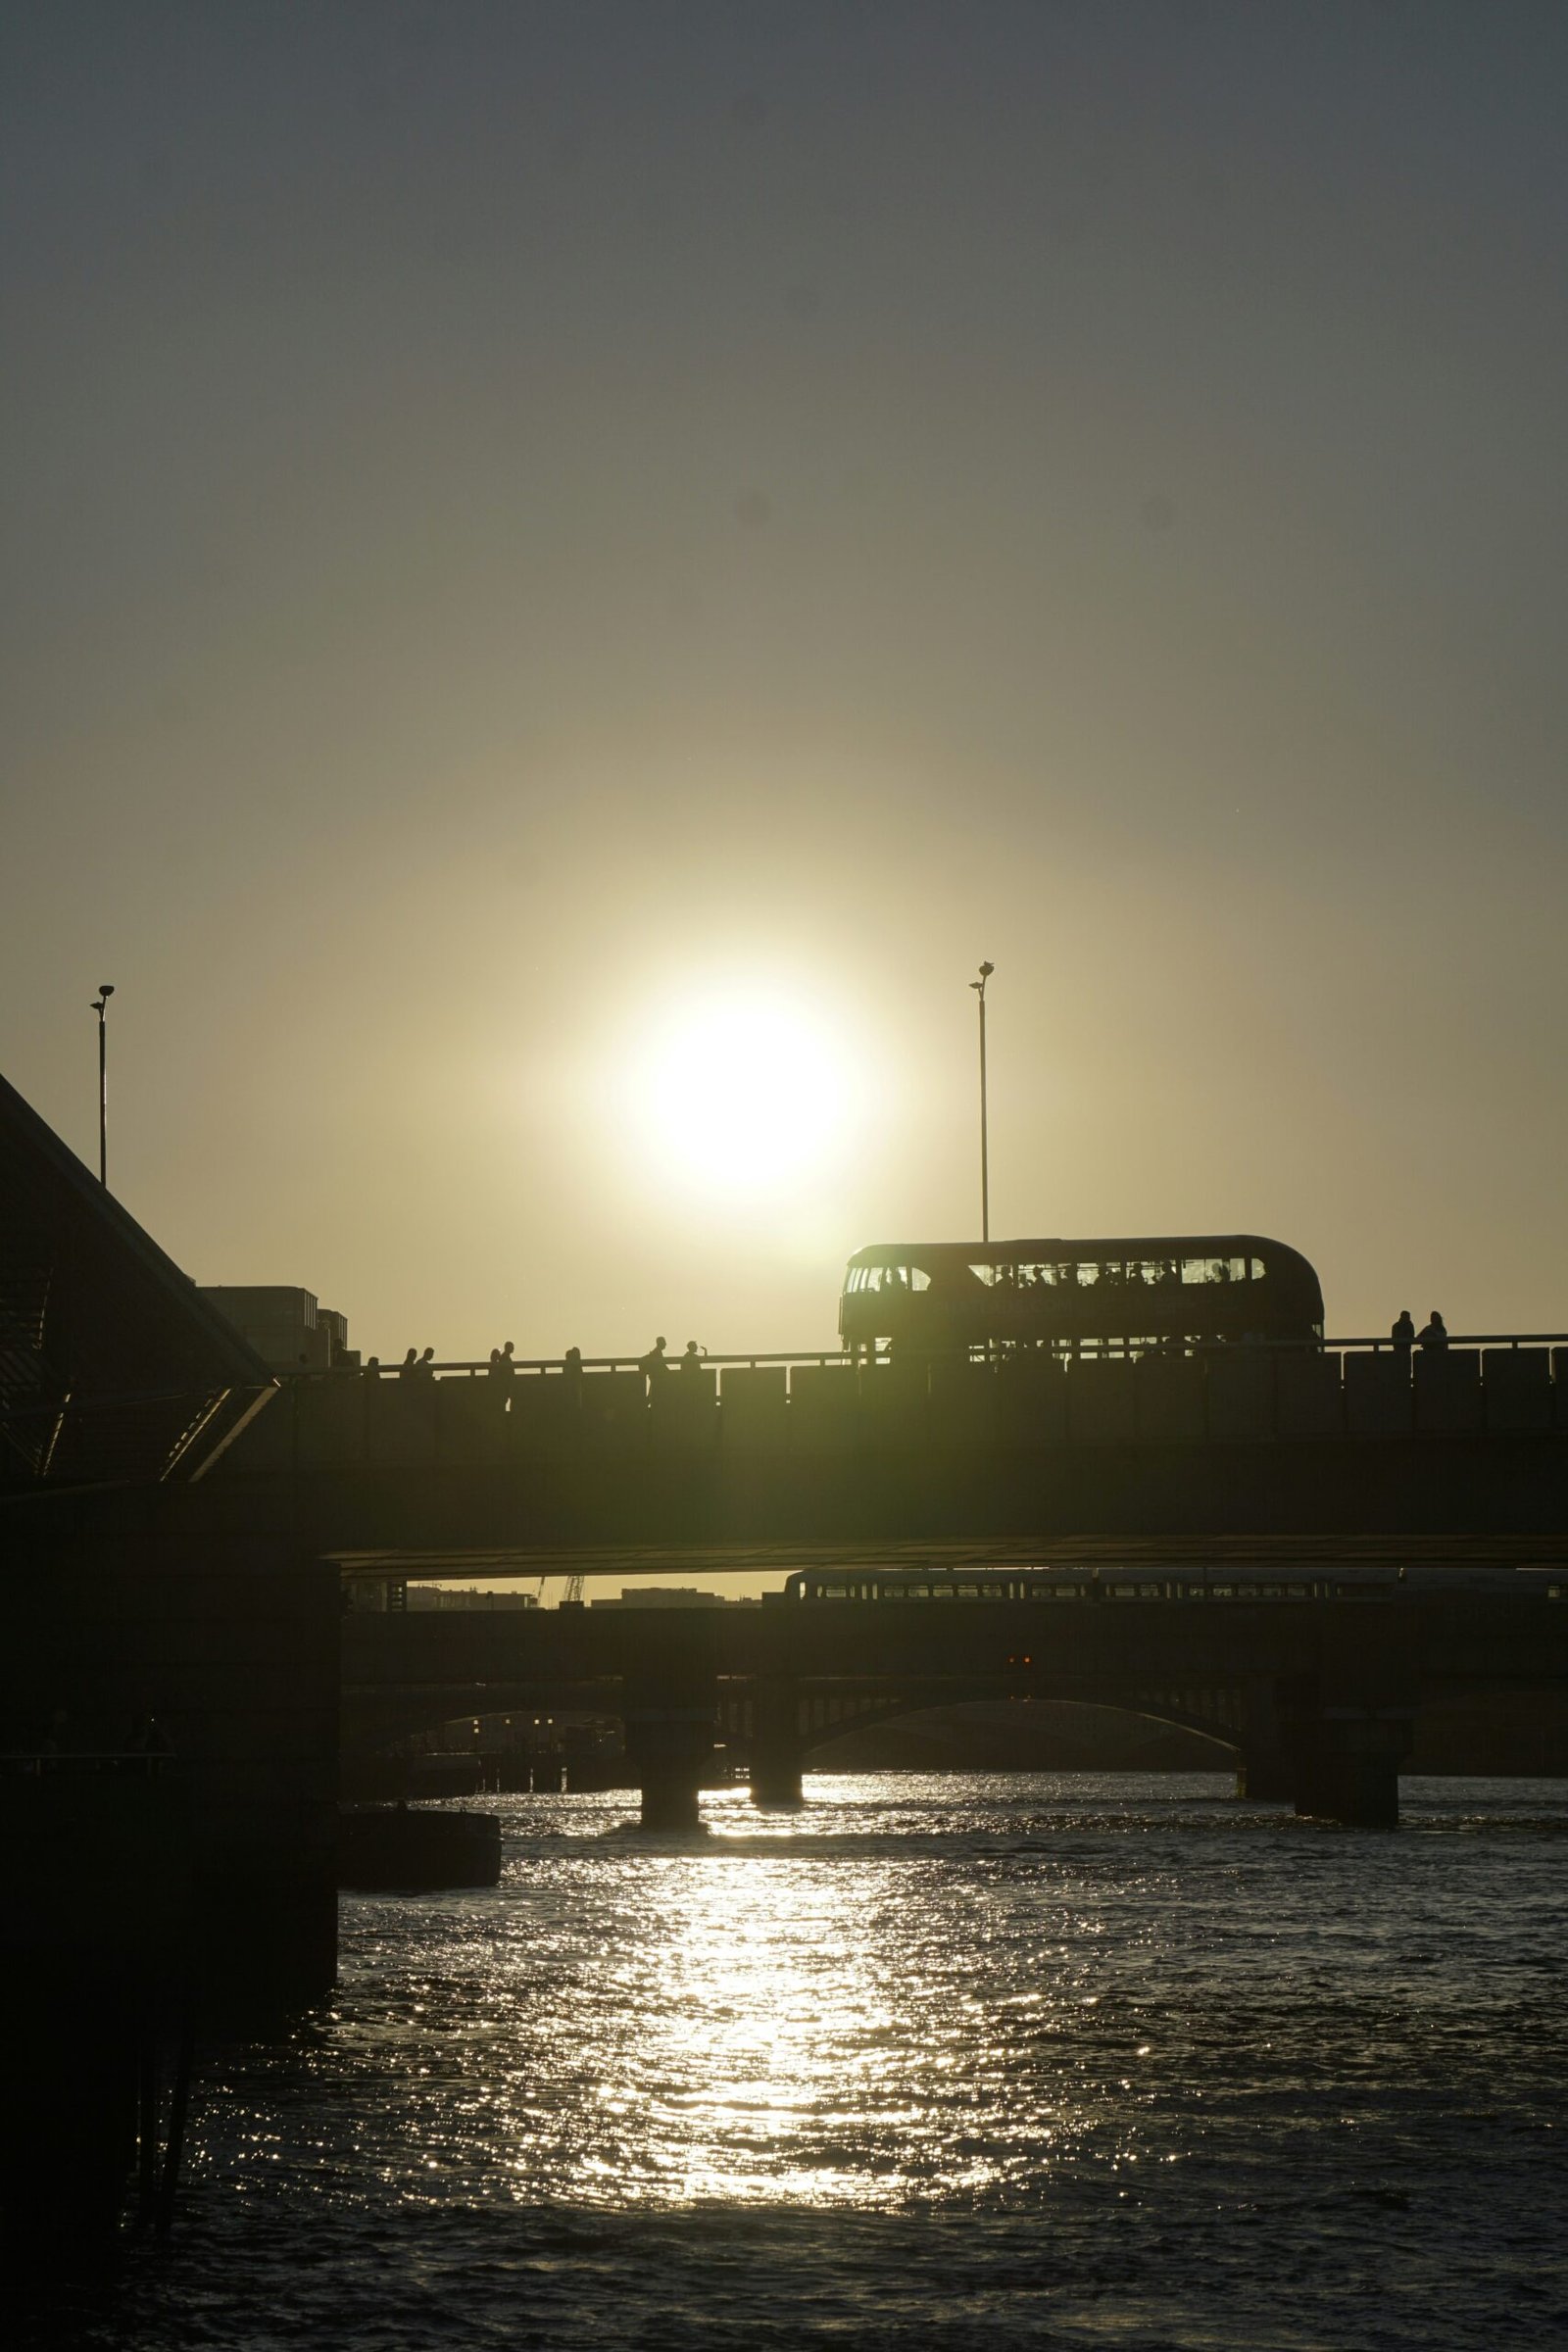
[503, 1372]
[371, 1369]
[571, 1366]
[409, 1369]
[1402, 1333]
[652, 1366]
[692, 1361]
[1435, 1334]
[424, 1369]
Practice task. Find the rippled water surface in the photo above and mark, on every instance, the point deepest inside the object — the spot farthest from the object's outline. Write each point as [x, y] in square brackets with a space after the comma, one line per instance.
[1050, 2061]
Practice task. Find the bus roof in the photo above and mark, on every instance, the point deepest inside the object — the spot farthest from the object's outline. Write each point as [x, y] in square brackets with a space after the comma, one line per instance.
[1059, 1251]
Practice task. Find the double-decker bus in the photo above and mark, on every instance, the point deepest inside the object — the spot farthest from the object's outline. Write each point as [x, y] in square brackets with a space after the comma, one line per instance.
[1176, 1291]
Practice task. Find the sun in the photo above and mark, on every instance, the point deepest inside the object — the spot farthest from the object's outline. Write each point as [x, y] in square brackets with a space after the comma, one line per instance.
[742, 1098]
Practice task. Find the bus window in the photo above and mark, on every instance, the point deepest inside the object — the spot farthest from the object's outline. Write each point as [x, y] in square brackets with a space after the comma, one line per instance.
[889, 1278]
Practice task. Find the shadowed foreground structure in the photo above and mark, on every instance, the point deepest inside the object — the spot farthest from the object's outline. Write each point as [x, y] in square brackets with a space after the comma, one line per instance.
[168, 1696]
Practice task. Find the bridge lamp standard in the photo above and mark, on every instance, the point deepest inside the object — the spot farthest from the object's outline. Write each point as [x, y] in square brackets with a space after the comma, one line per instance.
[100, 1006]
[979, 987]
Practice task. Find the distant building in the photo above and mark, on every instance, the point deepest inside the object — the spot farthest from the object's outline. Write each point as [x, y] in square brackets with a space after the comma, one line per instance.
[285, 1326]
[674, 1597]
[448, 1596]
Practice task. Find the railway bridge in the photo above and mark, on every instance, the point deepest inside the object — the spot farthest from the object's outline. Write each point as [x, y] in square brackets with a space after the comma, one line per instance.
[1320, 1693]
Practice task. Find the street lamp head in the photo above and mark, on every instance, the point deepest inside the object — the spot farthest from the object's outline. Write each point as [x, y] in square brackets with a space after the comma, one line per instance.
[986, 971]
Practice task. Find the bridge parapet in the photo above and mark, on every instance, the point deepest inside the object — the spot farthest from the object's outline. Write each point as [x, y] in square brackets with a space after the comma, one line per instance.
[816, 1408]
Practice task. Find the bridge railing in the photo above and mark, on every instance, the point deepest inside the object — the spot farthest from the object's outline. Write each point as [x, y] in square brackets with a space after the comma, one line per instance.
[791, 1404]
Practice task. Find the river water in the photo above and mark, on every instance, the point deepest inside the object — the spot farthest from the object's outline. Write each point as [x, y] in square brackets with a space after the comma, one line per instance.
[1047, 2061]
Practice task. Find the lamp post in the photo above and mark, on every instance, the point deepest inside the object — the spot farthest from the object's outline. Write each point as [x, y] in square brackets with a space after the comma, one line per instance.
[100, 1006]
[979, 987]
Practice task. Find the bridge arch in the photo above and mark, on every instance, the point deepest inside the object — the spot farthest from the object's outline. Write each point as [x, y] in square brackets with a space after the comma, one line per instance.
[376, 1721]
[898, 1707]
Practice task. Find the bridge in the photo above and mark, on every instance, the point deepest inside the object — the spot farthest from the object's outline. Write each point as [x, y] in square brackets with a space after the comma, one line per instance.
[1350, 1439]
[1355, 1449]
[1319, 1695]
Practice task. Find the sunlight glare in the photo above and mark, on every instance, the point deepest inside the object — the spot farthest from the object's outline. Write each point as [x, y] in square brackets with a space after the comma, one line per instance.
[742, 1098]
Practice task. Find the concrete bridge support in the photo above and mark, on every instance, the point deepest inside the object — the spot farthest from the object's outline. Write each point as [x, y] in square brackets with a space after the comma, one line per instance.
[1346, 1765]
[669, 1706]
[1264, 1774]
[776, 1746]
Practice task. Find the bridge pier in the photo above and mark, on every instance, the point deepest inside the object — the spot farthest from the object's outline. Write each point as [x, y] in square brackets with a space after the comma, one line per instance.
[776, 1751]
[1264, 1776]
[668, 1707]
[1346, 1765]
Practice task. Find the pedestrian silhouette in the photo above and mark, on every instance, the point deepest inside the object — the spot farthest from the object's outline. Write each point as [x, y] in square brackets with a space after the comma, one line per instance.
[1402, 1333]
[653, 1365]
[1435, 1334]
[372, 1368]
[409, 1369]
[692, 1361]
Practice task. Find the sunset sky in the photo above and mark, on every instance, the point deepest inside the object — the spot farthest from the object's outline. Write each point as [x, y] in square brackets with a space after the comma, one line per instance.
[572, 568]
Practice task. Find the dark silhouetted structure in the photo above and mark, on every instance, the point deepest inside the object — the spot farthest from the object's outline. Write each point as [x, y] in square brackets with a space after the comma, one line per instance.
[169, 1688]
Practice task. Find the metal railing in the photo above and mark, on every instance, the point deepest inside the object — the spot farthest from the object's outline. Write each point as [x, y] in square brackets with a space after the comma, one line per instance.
[1002, 1351]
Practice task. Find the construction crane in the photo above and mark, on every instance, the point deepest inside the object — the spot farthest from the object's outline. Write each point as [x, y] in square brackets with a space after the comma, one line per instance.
[573, 1591]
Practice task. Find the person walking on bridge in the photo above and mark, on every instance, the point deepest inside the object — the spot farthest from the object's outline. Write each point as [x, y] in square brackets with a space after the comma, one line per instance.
[1435, 1334]
[503, 1372]
[653, 1365]
[1402, 1333]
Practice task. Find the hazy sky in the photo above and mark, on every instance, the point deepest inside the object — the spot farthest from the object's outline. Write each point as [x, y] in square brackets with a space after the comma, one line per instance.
[532, 525]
